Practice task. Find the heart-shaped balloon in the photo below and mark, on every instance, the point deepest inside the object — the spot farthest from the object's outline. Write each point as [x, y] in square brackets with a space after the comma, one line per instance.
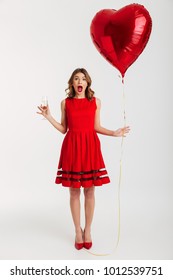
[120, 36]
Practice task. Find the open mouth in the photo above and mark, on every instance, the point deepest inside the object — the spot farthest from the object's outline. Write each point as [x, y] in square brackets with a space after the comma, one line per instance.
[79, 88]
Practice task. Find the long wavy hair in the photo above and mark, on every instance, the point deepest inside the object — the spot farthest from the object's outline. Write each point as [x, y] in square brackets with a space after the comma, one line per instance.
[89, 93]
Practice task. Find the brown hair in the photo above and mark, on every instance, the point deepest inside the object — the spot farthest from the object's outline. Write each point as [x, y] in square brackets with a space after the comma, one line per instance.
[70, 90]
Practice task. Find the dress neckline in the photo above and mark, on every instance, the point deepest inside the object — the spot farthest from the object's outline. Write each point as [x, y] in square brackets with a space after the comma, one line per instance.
[79, 98]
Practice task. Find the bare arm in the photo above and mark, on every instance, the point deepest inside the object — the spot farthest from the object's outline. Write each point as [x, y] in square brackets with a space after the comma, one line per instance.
[62, 127]
[105, 131]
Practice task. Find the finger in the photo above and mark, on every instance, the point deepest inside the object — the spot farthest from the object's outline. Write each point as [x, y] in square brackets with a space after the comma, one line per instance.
[40, 108]
[39, 113]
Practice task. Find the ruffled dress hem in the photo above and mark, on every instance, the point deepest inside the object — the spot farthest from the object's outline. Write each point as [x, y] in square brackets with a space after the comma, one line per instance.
[85, 179]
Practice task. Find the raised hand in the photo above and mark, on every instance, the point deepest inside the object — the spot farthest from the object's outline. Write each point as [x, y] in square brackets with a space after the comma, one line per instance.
[44, 111]
[121, 132]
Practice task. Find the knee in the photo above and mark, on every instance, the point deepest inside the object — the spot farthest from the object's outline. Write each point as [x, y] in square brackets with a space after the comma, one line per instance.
[89, 193]
[74, 193]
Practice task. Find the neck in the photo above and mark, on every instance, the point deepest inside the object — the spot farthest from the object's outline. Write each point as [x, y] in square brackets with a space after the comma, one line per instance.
[79, 96]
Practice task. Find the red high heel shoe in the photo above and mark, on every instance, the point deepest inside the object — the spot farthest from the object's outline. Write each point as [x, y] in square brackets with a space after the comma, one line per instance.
[80, 245]
[87, 245]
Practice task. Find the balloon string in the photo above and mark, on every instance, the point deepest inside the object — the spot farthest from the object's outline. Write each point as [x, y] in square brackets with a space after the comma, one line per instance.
[119, 185]
[120, 168]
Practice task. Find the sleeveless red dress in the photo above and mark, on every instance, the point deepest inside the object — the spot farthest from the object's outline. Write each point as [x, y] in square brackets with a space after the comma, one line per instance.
[81, 163]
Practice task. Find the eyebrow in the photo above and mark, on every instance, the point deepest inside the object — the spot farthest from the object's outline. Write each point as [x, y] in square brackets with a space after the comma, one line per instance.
[76, 76]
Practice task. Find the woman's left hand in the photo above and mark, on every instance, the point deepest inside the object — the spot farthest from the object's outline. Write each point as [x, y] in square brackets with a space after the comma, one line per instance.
[121, 132]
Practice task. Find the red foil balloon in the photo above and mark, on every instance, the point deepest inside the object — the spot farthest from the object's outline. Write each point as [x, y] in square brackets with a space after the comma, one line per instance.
[120, 36]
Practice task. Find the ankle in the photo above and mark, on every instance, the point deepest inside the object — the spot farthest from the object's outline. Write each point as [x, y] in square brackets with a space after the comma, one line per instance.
[78, 229]
[87, 230]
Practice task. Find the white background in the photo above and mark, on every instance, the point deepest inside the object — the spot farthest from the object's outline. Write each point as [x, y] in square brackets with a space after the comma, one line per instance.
[41, 43]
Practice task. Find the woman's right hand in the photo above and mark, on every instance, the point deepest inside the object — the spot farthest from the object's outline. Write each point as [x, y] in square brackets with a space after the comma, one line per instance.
[44, 111]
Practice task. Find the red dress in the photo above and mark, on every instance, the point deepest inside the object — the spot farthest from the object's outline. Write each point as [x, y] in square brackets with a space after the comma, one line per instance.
[81, 162]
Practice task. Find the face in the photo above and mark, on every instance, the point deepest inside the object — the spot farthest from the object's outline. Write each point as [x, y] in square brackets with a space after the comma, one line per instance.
[80, 84]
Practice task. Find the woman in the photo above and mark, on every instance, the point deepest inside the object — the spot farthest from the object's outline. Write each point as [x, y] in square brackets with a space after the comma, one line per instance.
[81, 163]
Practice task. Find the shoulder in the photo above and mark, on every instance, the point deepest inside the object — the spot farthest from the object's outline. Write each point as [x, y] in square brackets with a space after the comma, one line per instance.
[63, 102]
[98, 102]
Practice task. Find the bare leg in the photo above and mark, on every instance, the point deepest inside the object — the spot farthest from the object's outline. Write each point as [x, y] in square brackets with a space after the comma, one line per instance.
[89, 211]
[75, 210]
